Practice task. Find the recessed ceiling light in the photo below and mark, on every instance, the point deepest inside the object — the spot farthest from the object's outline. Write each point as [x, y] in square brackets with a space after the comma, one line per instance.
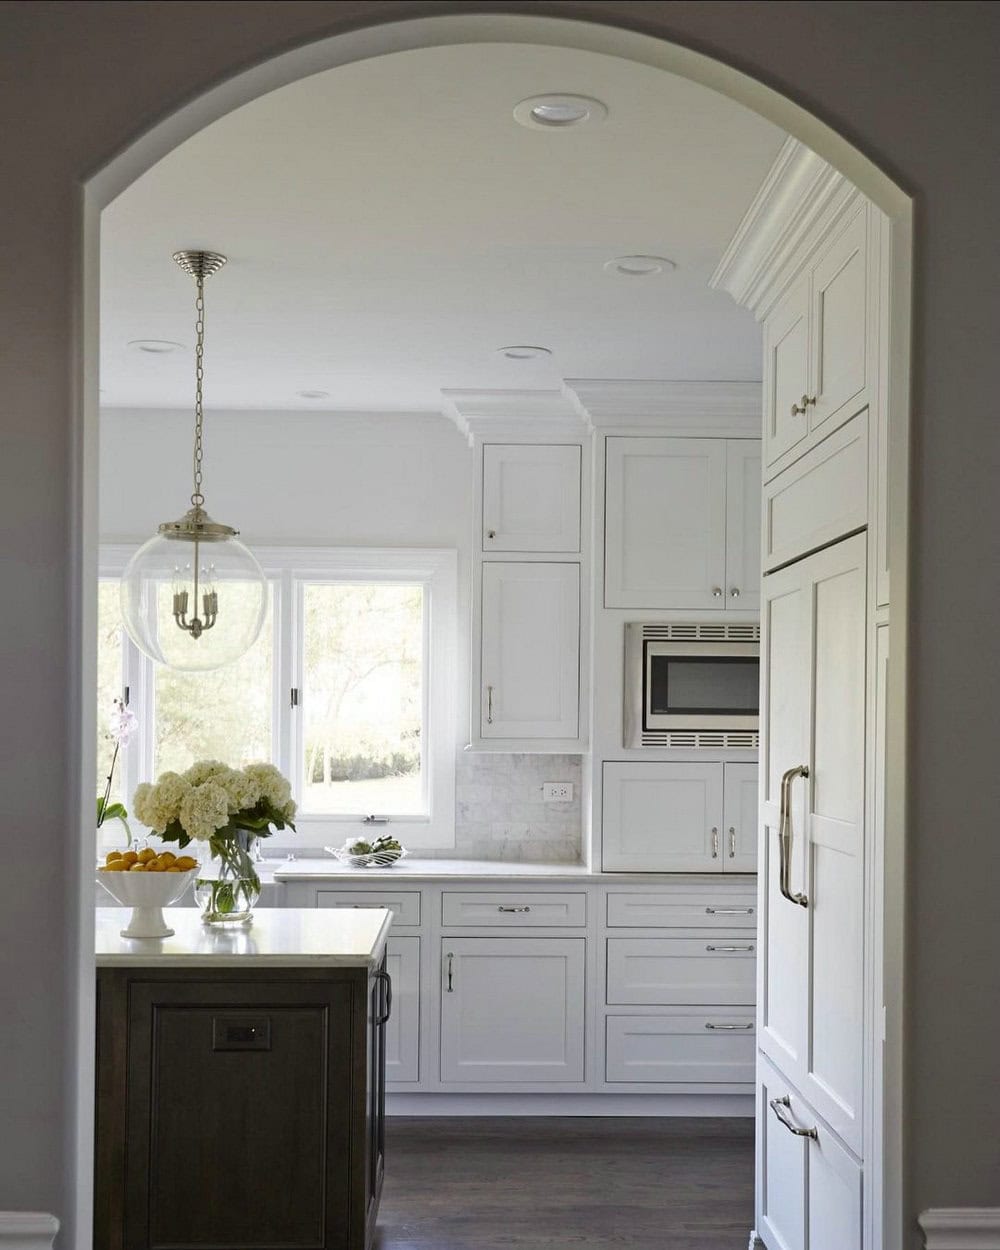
[554, 112]
[313, 394]
[155, 347]
[524, 351]
[639, 266]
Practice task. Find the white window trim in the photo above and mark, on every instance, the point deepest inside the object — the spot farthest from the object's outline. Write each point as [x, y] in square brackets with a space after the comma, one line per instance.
[288, 568]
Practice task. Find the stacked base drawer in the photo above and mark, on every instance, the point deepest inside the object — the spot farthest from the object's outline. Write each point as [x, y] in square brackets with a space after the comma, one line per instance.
[680, 987]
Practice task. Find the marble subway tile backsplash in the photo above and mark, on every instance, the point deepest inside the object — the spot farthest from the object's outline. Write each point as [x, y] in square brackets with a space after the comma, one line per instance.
[500, 815]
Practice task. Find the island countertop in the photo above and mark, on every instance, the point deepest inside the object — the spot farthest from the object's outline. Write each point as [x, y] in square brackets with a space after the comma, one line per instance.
[277, 937]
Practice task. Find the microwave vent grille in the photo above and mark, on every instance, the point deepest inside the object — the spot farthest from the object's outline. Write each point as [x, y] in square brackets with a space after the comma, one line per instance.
[701, 632]
[701, 740]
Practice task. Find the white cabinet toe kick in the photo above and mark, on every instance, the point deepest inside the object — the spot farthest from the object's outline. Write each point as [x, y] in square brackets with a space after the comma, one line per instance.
[579, 994]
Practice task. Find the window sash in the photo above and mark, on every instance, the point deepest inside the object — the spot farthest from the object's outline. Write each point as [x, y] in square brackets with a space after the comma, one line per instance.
[290, 569]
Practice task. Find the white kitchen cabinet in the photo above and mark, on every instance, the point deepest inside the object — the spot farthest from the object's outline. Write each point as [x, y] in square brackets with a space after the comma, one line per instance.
[810, 991]
[743, 486]
[512, 1009]
[682, 523]
[660, 971]
[531, 497]
[740, 819]
[816, 346]
[666, 817]
[682, 1046]
[530, 668]
[402, 1030]
[786, 374]
[809, 1192]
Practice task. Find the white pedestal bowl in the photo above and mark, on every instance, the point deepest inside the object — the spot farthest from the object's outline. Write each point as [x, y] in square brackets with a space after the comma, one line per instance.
[147, 893]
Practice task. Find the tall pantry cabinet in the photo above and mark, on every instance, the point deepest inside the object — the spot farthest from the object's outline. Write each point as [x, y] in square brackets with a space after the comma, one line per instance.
[824, 597]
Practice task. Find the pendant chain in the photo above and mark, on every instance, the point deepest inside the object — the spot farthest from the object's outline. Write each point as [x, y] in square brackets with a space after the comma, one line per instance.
[197, 498]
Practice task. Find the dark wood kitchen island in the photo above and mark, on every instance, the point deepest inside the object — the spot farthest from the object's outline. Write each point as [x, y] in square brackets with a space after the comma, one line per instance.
[241, 1082]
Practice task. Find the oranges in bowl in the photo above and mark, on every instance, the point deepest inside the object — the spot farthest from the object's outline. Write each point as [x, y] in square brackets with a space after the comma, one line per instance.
[147, 860]
[147, 881]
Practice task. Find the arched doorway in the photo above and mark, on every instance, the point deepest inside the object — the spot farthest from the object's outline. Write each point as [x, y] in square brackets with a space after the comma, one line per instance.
[457, 29]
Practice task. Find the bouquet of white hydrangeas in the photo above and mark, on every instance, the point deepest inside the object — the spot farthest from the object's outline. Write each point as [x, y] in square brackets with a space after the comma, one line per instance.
[229, 808]
[212, 802]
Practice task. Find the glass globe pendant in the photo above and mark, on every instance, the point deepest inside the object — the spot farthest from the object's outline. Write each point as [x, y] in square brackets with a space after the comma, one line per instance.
[193, 597]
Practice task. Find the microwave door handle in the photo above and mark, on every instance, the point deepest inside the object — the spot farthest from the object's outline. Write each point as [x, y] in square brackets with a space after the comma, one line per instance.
[785, 836]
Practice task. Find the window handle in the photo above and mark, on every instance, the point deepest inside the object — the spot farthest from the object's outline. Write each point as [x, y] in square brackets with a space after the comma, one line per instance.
[293, 697]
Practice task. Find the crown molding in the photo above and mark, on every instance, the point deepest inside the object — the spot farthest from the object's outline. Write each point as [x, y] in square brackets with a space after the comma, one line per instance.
[961, 1228]
[513, 413]
[692, 409]
[800, 192]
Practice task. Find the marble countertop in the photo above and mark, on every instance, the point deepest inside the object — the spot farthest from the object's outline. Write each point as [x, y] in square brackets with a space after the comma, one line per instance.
[415, 869]
[277, 937]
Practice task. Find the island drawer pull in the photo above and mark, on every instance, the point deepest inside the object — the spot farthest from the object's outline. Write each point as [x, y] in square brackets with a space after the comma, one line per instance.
[728, 949]
[385, 980]
[512, 909]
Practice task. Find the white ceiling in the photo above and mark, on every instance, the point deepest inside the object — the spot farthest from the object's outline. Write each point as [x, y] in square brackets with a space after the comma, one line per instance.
[389, 226]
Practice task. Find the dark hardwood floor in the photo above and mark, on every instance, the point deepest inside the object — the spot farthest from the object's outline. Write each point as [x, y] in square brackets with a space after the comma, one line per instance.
[567, 1184]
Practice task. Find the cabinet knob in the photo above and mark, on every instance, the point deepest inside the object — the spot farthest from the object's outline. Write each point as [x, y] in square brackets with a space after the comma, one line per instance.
[805, 401]
[734, 593]
[491, 533]
[716, 592]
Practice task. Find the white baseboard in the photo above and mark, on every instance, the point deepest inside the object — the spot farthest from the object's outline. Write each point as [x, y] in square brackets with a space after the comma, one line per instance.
[740, 1105]
[27, 1230]
[961, 1228]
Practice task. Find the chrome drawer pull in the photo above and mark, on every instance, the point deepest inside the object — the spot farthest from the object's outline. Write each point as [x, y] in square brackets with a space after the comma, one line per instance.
[489, 705]
[785, 835]
[778, 1106]
[729, 948]
[729, 1028]
[715, 843]
[513, 909]
[451, 960]
[728, 911]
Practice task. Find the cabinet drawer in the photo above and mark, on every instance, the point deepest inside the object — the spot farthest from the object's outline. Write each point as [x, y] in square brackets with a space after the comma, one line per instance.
[514, 910]
[712, 1046]
[696, 911]
[708, 971]
[820, 498]
[404, 905]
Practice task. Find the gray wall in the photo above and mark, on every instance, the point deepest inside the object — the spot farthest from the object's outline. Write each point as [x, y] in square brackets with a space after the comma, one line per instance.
[914, 85]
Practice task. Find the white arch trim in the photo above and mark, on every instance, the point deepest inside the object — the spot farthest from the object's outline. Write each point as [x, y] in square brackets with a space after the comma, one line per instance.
[105, 184]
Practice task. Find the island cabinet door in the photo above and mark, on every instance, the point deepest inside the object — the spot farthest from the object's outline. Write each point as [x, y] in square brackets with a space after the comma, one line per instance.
[232, 1111]
[512, 1010]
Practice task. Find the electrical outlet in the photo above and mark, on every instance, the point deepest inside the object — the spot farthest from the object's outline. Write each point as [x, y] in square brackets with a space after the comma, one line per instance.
[557, 791]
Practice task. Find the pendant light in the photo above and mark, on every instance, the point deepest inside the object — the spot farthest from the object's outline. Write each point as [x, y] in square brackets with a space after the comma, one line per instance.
[193, 597]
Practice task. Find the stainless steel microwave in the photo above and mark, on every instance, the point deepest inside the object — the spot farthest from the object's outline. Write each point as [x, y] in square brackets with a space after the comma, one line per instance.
[692, 684]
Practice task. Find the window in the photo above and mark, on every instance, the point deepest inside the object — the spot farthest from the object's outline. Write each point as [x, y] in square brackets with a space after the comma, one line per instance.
[350, 690]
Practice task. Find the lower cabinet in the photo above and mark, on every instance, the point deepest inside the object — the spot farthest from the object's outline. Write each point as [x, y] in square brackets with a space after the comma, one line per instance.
[808, 1183]
[512, 1009]
[239, 1107]
[684, 971]
[402, 1031]
[682, 1047]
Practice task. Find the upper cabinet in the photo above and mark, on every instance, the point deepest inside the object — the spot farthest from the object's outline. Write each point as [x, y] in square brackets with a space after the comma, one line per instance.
[816, 370]
[531, 497]
[682, 523]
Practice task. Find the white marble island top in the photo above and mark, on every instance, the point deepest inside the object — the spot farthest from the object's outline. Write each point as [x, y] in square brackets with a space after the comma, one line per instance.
[277, 937]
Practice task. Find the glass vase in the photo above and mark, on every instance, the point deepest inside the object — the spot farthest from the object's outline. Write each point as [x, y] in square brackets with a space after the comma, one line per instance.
[230, 895]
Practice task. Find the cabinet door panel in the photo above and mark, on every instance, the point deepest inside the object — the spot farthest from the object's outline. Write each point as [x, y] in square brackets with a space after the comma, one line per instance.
[531, 497]
[741, 817]
[512, 1009]
[531, 650]
[786, 373]
[811, 986]
[743, 521]
[781, 1169]
[839, 308]
[402, 1030]
[665, 523]
[662, 817]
